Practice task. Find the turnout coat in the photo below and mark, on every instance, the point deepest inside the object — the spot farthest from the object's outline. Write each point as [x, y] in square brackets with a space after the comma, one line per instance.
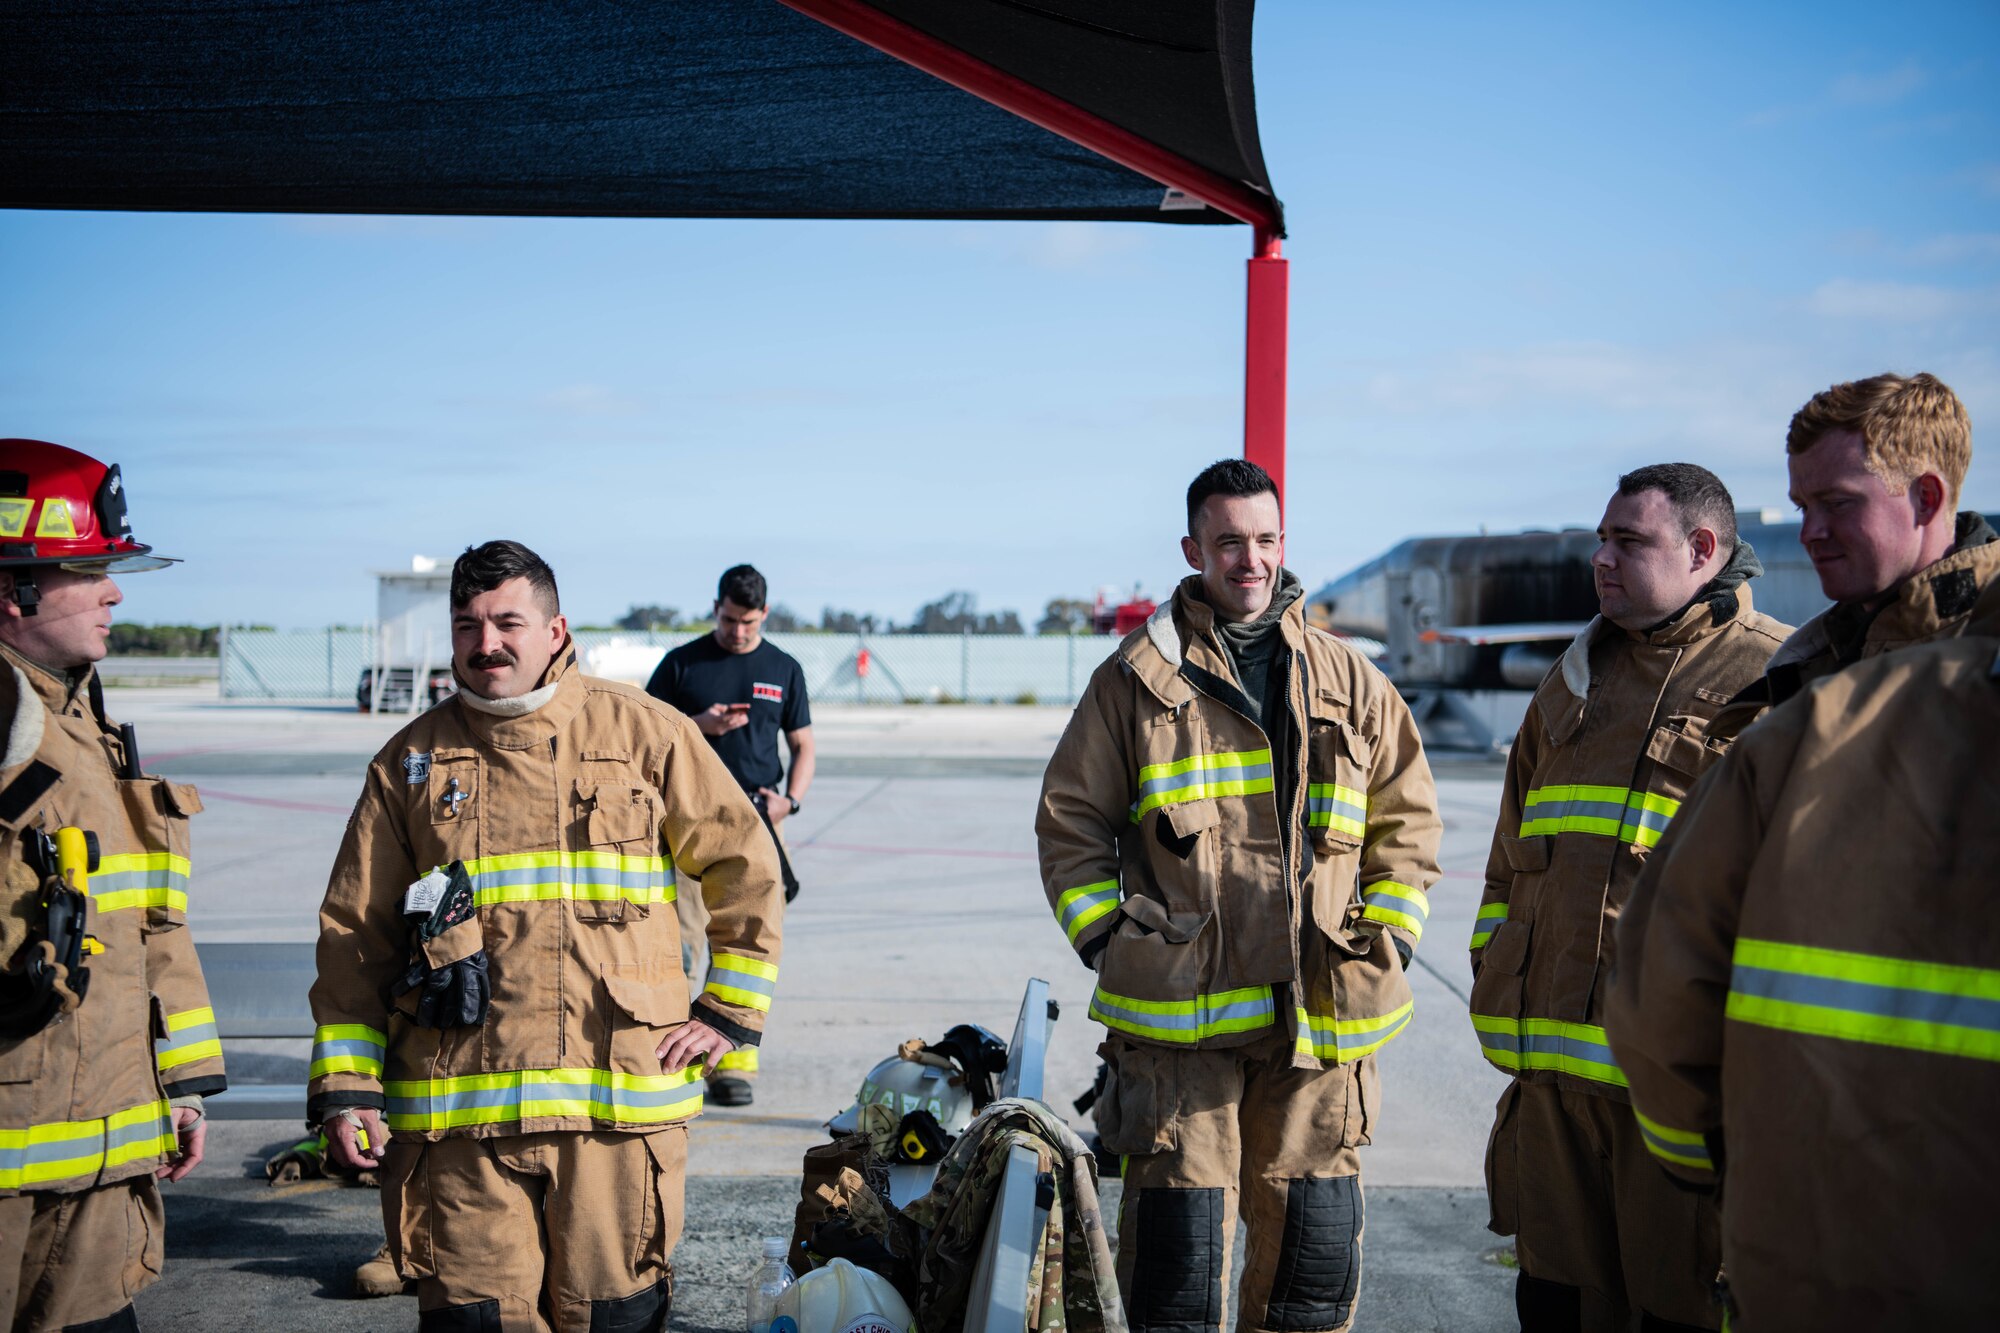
[571, 808]
[85, 1101]
[1226, 878]
[1807, 1000]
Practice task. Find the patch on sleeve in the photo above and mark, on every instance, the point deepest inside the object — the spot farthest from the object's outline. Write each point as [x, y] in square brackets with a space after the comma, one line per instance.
[775, 693]
[417, 767]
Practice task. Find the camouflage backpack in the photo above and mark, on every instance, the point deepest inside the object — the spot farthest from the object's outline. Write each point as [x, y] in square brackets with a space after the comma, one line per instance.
[1072, 1284]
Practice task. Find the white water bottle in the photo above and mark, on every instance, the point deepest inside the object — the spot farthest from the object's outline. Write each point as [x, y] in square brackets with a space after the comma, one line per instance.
[771, 1277]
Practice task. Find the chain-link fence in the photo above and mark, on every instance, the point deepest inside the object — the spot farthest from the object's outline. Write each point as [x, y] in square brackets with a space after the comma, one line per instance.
[317, 665]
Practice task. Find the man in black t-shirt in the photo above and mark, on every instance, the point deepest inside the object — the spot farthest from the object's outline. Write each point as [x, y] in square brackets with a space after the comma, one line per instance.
[742, 692]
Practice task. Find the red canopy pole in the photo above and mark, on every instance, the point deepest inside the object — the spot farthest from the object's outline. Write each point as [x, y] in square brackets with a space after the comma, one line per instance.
[1264, 343]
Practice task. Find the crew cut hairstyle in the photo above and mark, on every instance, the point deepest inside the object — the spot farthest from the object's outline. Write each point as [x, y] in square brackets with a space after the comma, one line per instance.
[484, 568]
[1699, 498]
[1908, 427]
[743, 585]
[1230, 476]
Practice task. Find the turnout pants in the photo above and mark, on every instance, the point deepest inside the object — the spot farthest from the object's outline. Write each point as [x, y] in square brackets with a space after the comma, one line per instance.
[75, 1261]
[538, 1233]
[1569, 1177]
[1210, 1135]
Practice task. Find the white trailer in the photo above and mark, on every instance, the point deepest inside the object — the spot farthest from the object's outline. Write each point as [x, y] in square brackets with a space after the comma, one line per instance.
[412, 639]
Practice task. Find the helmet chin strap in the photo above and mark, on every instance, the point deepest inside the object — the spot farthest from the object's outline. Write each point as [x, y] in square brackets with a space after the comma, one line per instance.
[26, 595]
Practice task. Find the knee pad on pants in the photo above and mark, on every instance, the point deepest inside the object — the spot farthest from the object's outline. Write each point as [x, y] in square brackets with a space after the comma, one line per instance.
[1319, 1255]
[125, 1321]
[1547, 1307]
[641, 1312]
[1177, 1267]
[478, 1317]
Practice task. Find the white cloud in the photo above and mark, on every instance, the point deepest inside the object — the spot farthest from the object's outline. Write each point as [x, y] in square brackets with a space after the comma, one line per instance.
[1053, 245]
[1956, 249]
[589, 400]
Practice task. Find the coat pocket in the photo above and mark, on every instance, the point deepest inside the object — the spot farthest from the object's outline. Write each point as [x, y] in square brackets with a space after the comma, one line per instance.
[643, 1010]
[1136, 1115]
[620, 826]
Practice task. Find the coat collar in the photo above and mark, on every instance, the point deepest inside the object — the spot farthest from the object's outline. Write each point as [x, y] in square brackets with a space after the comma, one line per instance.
[61, 691]
[533, 718]
[1182, 629]
[1697, 622]
[1924, 606]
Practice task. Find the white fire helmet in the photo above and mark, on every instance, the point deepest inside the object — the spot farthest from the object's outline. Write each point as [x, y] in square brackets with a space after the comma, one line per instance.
[905, 1086]
[841, 1298]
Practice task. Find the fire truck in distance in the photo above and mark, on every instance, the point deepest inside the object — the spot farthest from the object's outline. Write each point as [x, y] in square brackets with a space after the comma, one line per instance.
[1120, 618]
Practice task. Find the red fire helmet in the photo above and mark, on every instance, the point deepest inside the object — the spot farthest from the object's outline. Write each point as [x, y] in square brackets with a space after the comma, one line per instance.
[61, 507]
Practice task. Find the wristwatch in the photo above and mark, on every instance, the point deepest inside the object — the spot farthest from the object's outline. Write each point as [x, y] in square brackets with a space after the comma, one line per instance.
[794, 800]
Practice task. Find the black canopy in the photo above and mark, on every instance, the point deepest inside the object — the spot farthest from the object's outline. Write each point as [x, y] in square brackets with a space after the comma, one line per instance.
[681, 108]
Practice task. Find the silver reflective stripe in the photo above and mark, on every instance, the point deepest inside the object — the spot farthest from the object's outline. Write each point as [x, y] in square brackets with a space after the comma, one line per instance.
[1861, 997]
[720, 973]
[1194, 1019]
[1083, 902]
[1199, 778]
[569, 874]
[524, 1094]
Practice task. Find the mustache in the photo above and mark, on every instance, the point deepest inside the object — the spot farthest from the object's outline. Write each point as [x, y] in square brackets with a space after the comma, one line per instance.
[483, 660]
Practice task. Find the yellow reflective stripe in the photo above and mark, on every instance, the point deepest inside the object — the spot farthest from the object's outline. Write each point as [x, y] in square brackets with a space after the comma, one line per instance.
[140, 879]
[1489, 918]
[589, 876]
[1394, 904]
[1939, 1008]
[540, 1094]
[1610, 812]
[742, 1060]
[348, 1048]
[191, 1036]
[737, 979]
[1202, 777]
[1078, 908]
[1682, 1147]
[1344, 1040]
[72, 1149]
[1241, 1010]
[1520, 1044]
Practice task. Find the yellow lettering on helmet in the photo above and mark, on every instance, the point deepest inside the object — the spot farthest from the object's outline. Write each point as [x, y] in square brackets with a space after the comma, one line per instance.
[55, 520]
[14, 517]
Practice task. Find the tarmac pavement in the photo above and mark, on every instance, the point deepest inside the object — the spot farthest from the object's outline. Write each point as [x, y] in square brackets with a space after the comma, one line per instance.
[921, 909]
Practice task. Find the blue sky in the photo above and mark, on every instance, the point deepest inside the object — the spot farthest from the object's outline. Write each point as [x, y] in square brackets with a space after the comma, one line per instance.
[1532, 247]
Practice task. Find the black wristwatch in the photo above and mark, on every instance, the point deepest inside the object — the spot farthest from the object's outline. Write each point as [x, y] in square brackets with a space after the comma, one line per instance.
[794, 800]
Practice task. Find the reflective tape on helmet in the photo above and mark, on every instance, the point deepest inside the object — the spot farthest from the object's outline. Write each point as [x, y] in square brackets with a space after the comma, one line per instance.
[734, 978]
[1939, 1008]
[1243, 1010]
[348, 1048]
[65, 1150]
[1330, 805]
[1343, 1040]
[191, 1036]
[1520, 1044]
[570, 876]
[140, 879]
[1396, 904]
[1682, 1147]
[1489, 919]
[1201, 777]
[421, 1105]
[1076, 908]
[1636, 817]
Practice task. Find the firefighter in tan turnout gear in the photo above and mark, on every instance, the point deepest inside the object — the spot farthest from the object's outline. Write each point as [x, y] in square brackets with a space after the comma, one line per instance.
[1237, 831]
[107, 1042]
[1611, 745]
[1876, 469]
[1807, 1000]
[500, 998]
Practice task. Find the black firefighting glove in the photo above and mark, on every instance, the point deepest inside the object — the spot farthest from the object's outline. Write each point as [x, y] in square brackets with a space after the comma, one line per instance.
[452, 994]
